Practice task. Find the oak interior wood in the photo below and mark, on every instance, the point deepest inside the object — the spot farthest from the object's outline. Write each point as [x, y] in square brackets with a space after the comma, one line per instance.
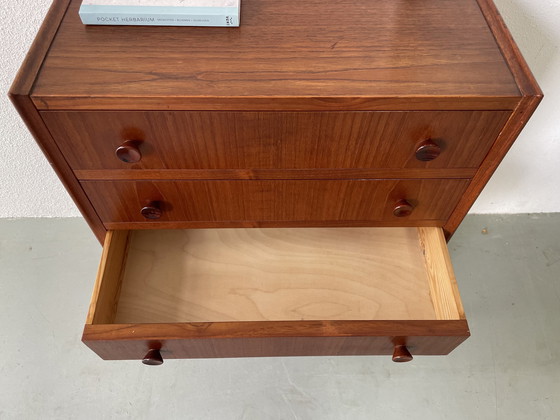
[223, 275]
[109, 278]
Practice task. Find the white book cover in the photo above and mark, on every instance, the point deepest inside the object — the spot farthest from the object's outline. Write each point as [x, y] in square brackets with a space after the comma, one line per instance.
[161, 12]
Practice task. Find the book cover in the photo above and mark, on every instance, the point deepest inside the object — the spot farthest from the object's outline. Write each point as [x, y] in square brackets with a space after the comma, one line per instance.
[161, 12]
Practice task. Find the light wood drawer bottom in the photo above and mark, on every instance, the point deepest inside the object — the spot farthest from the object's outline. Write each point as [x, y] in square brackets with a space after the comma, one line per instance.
[274, 292]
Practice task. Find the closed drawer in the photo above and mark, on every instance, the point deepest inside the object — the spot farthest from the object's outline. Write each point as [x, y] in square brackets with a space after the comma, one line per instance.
[129, 204]
[275, 292]
[274, 140]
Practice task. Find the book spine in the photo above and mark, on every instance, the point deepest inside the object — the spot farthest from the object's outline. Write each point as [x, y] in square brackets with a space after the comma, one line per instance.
[159, 19]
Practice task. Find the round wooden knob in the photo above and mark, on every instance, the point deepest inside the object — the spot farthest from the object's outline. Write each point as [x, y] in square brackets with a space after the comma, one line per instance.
[427, 150]
[401, 354]
[153, 358]
[152, 211]
[402, 208]
[129, 152]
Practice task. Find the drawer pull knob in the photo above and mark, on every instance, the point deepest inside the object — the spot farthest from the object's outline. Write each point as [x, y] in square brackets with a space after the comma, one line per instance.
[427, 150]
[129, 152]
[401, 354]
[152, 211]
[403, 208]
[153, 358]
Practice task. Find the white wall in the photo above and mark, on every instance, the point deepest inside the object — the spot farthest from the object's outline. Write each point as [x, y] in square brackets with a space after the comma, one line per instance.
[28, 185]
[527, 180]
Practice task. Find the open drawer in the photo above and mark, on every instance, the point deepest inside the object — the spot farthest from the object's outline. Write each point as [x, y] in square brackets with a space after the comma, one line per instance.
[275, 292]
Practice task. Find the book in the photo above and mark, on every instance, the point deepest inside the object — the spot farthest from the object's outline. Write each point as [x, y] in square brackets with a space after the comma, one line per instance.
[161, 12]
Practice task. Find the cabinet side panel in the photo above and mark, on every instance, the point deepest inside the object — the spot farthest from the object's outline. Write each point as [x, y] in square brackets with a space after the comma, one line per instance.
[531, 97]
[505, 140]
[48, 146]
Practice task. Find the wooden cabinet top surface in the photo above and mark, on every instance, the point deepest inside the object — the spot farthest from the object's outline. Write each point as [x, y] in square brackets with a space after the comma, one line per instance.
[346, 54]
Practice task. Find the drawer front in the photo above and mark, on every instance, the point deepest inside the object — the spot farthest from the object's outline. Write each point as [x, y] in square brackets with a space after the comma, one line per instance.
[275, 292]
[274, 140]
[274, 339]
[271, 200]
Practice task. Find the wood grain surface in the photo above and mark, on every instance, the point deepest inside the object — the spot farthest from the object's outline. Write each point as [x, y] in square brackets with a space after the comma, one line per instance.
[288, 200]
[264, 164]
[264, 174]
[264, 292]
[275, 140]
[531, 97]
[106, 290]
[509, 134]
[524, 78]
[217, 275]
[347, 54]
[274, 339]
[441, 278]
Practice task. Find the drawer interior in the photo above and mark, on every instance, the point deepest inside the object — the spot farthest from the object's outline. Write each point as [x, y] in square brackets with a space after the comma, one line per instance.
[225, 275]
[202, 293]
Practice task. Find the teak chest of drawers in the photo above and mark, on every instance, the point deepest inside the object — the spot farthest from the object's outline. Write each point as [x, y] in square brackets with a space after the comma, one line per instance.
[282, 188]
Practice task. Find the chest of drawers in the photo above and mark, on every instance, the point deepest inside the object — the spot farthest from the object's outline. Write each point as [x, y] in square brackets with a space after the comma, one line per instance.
[281, 188]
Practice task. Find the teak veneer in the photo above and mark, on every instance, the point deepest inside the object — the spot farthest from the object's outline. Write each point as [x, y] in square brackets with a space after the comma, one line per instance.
[310, 165]
[276, 140]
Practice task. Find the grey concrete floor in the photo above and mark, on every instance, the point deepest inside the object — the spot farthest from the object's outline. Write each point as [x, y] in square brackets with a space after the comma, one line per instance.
[509, 279]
